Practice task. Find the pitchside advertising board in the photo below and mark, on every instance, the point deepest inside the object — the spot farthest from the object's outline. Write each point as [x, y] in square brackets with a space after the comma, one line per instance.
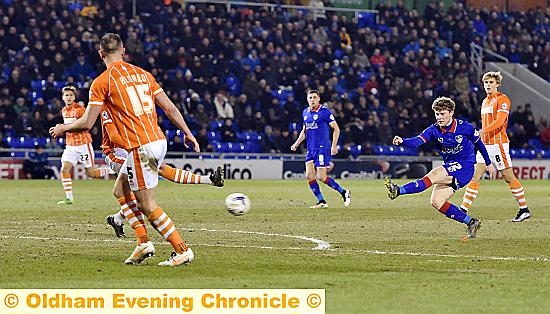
[250, 169]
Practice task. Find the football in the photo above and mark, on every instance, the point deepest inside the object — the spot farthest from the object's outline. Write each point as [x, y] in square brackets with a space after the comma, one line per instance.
[237, 204]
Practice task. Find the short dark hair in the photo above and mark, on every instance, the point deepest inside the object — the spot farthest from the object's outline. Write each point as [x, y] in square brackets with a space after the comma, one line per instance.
[110, 43]
[313, 91]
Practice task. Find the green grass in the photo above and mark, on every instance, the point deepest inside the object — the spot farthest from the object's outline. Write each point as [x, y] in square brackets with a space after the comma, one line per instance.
[386, 256]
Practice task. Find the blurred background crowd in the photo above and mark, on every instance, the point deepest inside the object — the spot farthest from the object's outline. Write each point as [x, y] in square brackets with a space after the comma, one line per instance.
[240, 76]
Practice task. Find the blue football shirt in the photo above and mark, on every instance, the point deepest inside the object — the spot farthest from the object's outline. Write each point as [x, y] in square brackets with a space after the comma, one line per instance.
[317, 127]
[455, 142]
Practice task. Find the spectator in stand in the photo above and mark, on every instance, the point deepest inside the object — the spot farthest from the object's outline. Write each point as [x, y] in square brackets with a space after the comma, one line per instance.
[202, 139]
[223, 107]
[228, 133]
[203, 51]
[37, 165]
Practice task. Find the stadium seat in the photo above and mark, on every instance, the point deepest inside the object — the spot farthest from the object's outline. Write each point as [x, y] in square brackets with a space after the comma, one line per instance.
[215, 125]
[366, 19]
[355, 150]
[170, 134]
[214, 136]
[535, 143]
[17, 154]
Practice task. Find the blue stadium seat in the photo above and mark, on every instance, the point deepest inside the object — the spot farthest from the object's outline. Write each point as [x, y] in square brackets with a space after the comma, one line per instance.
[366, 19]
[36, 85]
[535, 143]
[21, 142]
[294, 127]
[17, 154]
[215, 125]
[355, 150]
[170, 134]
[214, 136]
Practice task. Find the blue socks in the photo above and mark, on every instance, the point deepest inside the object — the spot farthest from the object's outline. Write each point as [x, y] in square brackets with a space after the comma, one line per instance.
[333, 184]
[453, 212]
[314, 186]
[415, 186]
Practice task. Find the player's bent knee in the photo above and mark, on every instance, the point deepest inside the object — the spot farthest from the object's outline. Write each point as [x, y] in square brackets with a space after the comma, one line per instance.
[437, 204]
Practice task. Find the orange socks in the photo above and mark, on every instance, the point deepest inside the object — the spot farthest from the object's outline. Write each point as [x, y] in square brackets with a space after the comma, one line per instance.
[183, 176]
[100, 172]
[517, 190]
[128, 206]
[164, 225]
[469, 195]
[67, 186]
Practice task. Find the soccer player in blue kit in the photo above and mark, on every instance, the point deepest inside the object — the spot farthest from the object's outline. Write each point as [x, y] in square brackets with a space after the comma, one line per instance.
[457, 142]
[317, 123]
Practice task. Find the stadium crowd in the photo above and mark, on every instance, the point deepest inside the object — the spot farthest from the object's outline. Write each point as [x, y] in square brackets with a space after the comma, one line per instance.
[241, 75]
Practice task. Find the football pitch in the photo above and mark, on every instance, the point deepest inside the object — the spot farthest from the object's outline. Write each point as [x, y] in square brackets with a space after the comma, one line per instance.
[377, 256]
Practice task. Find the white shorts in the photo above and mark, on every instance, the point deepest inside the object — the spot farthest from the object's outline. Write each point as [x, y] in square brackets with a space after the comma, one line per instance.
[83, 154]
[499, 154]
[116, 163]
[142, 165]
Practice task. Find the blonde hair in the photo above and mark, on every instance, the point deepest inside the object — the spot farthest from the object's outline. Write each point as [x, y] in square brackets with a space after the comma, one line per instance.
[69, 88]
[443, 103]
[492, 74]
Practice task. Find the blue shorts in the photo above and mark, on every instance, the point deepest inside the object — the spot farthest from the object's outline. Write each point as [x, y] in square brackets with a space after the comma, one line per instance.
[462, 173]
[320, 158]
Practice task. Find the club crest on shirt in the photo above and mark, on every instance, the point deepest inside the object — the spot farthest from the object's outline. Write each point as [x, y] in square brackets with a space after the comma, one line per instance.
[458, 138]
[105, 115]
[315, 116]
[305, 118]
[440, 139]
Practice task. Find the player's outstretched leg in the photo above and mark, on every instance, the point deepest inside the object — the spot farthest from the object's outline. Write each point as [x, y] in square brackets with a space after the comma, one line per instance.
[314, 187]
[216, 177]
[393, 189]
[473, 227]
[186, 177]
[455, 213]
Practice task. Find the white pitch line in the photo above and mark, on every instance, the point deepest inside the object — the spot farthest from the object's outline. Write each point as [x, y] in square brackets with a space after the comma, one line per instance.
[494, 258]
[321, 245]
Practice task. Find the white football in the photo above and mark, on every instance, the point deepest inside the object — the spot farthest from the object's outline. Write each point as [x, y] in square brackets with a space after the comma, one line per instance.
[237, 204]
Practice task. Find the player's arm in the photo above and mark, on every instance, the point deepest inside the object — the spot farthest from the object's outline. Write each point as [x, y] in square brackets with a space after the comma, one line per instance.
[335, 136]
[475, 137]
[497, 123]
[175, 116]
[503, 111]
[414, 142]
[85, 122]
[299, 140]
[113, 135]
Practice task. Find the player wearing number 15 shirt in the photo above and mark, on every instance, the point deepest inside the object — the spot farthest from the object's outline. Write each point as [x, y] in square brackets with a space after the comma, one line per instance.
[457, 142]
[129, 94]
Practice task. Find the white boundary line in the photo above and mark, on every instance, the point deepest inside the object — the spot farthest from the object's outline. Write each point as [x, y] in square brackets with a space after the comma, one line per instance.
[321, 245]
